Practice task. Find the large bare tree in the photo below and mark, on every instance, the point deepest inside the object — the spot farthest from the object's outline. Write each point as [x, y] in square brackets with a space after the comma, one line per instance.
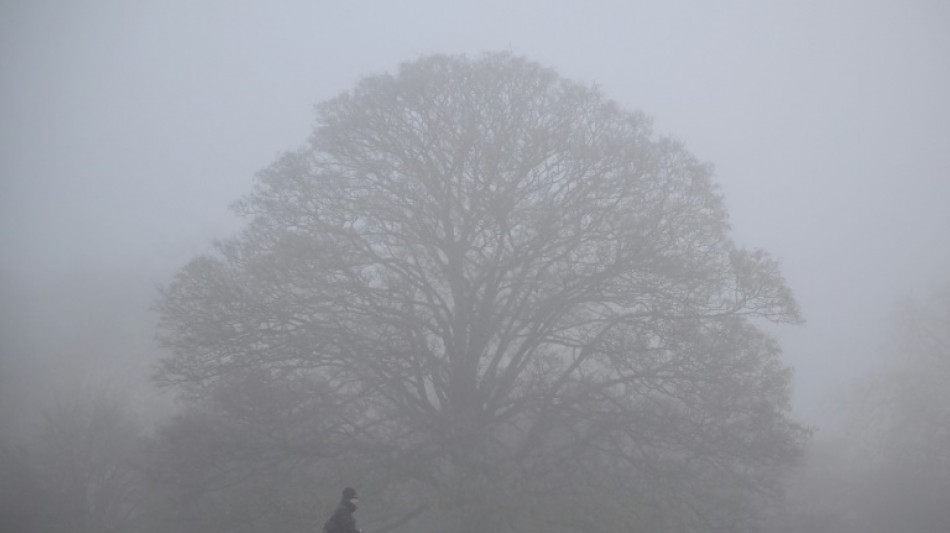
[516, 291]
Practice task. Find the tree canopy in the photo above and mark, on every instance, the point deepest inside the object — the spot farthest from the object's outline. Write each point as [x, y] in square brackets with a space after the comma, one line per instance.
[503, 289]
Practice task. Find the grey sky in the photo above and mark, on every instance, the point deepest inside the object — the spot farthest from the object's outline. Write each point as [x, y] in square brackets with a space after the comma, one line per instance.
[127, 129]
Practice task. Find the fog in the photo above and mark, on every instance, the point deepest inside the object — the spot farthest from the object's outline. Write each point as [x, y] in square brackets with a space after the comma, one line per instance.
[128, 128]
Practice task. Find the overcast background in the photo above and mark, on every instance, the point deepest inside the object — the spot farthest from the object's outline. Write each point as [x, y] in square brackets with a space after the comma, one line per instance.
[127, 128]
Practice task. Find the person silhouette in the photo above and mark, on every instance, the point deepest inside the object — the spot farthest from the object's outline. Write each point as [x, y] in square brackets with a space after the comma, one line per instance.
[342, 521]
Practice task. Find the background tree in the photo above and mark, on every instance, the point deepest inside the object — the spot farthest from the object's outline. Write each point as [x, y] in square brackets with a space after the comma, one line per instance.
[901, 425]
[887, 467]
[21, 496]
[80, 472]
[249, 459]
[529, 305]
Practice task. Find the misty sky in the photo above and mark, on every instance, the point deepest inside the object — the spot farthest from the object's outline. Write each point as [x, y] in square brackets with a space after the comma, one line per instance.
[128, 128]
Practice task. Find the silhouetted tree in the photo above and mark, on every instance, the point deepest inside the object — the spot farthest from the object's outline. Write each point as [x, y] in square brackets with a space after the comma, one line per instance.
[525, 300]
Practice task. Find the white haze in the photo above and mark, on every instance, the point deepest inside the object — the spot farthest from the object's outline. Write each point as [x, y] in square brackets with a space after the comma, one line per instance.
[127, 129]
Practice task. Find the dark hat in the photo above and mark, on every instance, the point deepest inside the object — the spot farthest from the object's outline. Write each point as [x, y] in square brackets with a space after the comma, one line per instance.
[349, 493]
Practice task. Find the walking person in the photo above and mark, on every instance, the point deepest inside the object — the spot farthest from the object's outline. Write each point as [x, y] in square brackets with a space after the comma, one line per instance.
[342, 520]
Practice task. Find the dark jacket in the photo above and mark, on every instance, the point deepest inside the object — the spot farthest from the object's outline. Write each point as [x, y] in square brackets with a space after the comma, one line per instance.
[342, 520]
